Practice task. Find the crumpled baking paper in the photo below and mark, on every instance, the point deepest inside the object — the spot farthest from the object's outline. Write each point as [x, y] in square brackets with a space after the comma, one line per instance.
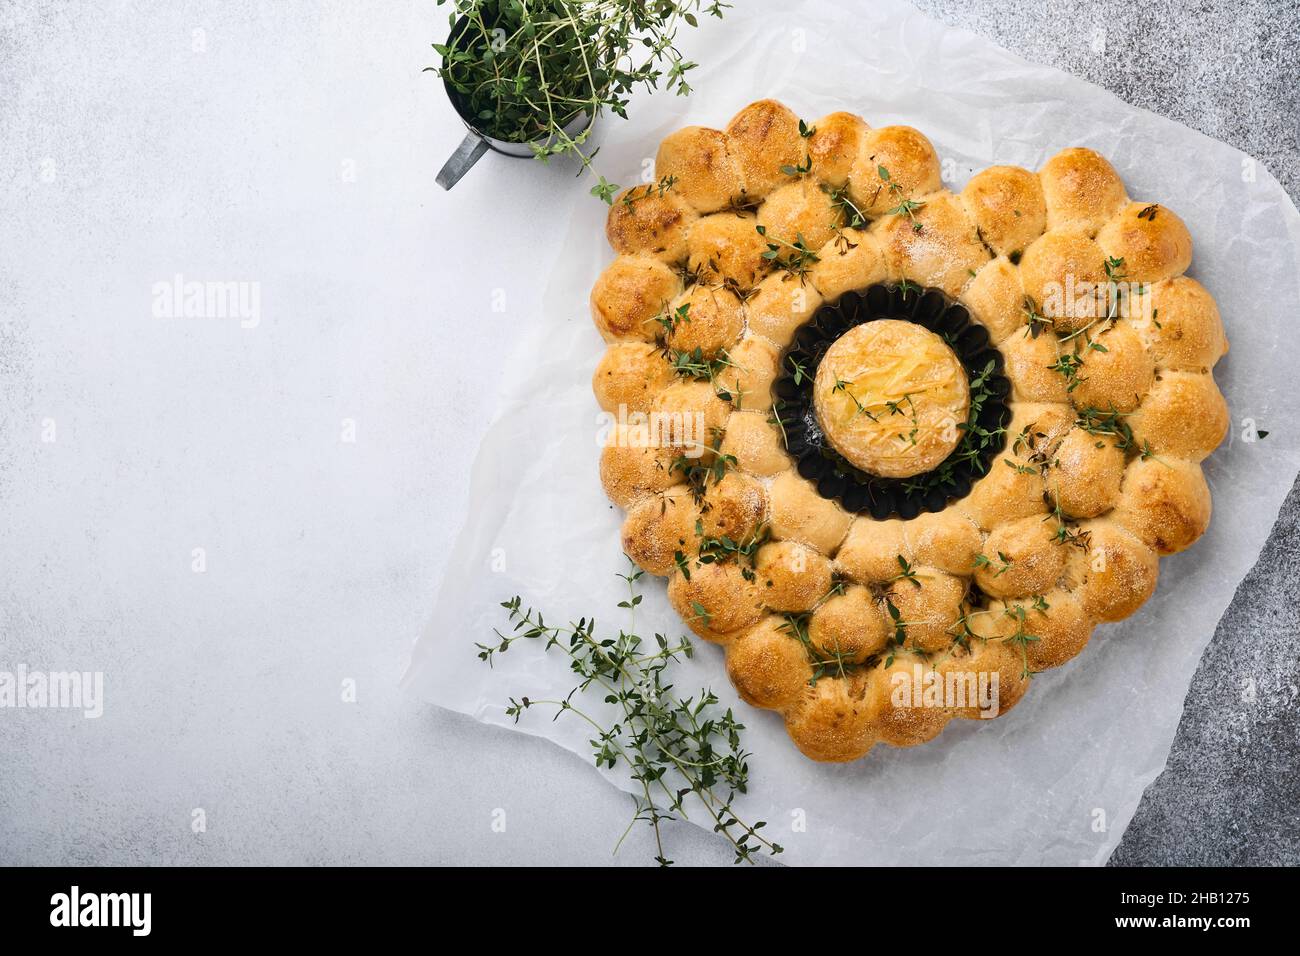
[1057, 780]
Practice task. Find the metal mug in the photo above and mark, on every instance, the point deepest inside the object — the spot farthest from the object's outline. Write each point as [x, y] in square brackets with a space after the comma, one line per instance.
[477, 142]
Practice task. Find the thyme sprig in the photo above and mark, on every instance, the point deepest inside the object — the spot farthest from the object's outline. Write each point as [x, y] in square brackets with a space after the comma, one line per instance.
[796, 262]
[824, 662]
[673, 748]
[906, 207]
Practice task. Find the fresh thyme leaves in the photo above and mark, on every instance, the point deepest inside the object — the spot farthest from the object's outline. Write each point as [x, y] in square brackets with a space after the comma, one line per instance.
[774, 419]
[694, 365]
[634, 195]
[1069, 364]
[725, 548]
[670, 319]
[852, 216]
[1021, 638]
[796, 262]
[805, 130]
[804, 167]
[823, 662]
[524, 72]
[900, 630]
[908, 573]
[674, 749]
[700, 614]
[843, 387]
[700, 471]
[1149, 212]
[906, 207]
[1110, 422]
[999, 569]
[1035, 322]
[1067, 534]
[798, 369]
[683, 564]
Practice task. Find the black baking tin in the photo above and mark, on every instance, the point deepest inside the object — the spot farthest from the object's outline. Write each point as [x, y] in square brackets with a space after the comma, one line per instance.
[835, 477]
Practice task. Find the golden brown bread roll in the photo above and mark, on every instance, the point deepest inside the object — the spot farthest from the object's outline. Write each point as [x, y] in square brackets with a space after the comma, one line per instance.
[763, 139]
[705, 317]
[1029, 367]
[1007, 206]
[649, 221]
[1183, 416]
[1116, 369]
[1021, 558]
[630, 295]
[948, 540]
[658, 527]
[1005, 494]
[767, 665]
[690, 416]
[699, 163]
[1064, 273]
[891, 701]
[944, 252]
[630, 374]
[779, 306]
[909, 161]
[1081, 190]
[1117, 572]
[851, 260]
[1062, 627]
[799, 211]
[748, 372]
[791, 576]
[755, 444]
[996, 300]
[726, 247]
[716, 600]
[1085, 472]
[733, 507]
[850, 626]
[830, 721]
[631, 469]
[1037, 430]
[800, 514]
[1182, 329]
[1150, 239]
[871, 550]
[834, 146]
[929, 603]
[1166, 504]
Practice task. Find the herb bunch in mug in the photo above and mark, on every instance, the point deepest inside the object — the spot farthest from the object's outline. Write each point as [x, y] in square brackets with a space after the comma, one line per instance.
[524, 70]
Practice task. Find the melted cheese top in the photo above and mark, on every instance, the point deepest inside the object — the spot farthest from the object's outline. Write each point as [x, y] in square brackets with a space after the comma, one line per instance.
[890, 395]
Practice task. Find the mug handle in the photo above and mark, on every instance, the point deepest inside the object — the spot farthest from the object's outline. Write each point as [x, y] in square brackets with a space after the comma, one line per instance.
[469, 152]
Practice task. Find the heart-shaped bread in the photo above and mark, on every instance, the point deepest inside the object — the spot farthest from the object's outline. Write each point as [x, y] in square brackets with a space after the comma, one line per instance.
[898, 449]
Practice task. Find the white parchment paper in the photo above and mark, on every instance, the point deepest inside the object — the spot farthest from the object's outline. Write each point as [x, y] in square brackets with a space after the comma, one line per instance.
[1058, 779]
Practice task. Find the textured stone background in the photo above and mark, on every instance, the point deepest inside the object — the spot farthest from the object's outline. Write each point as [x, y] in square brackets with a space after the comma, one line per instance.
[1231, 792]
[321, 560]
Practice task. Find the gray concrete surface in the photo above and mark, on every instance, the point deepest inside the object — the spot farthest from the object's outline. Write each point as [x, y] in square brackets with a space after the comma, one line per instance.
[318, 575]
[1231, 792]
